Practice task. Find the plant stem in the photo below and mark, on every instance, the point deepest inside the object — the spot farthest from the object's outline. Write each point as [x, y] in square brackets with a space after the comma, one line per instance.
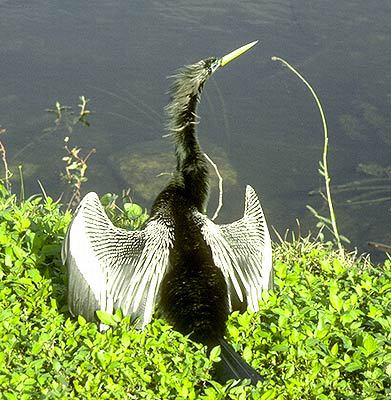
[324, 164]
[22, 193]
[7, 173]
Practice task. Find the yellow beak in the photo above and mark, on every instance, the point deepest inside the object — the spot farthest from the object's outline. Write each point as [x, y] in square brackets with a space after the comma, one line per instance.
[236, 53]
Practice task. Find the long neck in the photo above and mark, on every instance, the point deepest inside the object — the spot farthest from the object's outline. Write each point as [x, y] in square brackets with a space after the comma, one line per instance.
[192, 168]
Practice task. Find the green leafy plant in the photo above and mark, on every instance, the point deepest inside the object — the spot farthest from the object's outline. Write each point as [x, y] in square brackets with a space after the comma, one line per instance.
[129, 216]
[75, 171]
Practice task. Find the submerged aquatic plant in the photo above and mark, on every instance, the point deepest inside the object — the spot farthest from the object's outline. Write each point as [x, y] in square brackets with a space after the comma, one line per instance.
[66, 117]
[373, 190]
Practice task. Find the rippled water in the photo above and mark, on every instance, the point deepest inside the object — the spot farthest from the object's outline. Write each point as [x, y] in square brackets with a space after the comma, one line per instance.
[257, 119]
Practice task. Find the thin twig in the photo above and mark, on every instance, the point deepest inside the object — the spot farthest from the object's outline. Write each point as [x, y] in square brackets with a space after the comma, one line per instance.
[215, 215]
[324, 165]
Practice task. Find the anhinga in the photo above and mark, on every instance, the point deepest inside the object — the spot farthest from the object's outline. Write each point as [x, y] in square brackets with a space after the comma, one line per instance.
[195, 271]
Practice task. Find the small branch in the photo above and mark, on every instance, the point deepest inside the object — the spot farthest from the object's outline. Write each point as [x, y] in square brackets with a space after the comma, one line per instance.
[220, 187]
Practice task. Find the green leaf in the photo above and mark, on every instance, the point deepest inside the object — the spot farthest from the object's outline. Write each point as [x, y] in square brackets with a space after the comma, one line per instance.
[34, 275]
[125, 339]
[268, 395]
[280, 347]
[374, 312]
[350, 316]
[334, 349]
[338, 267]
[103, 357]
[353, 366]
[214, 355]
[335, 300]
[108, 199]
[10, 396]
[106, 318]
[370, 344]
[280, 270]
[233, 331]
[247, 354]
[8, 260]
[133, 210]
[19, 253]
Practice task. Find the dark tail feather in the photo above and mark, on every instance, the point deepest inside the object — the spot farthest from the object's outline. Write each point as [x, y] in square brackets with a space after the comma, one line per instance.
[232, 366]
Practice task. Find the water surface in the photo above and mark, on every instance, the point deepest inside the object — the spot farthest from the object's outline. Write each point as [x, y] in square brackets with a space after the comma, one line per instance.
[258, 116]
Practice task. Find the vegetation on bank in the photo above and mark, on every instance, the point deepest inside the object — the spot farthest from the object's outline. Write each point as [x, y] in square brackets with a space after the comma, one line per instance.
[323, 333]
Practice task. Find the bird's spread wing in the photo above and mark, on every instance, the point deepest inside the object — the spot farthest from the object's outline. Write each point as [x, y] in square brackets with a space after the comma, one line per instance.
[243, 252]
[112, 268]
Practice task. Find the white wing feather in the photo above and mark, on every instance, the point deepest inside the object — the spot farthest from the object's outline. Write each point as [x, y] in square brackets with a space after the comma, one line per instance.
[243, 251]
[111, 267]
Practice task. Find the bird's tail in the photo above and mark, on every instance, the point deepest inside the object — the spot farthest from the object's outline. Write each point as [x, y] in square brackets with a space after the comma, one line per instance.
[232, 366]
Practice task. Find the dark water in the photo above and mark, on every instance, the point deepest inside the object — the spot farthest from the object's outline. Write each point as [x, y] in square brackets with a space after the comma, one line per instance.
[255, 114]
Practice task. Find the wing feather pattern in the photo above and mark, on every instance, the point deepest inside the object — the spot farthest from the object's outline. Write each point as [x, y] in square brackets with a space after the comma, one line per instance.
[113, 268]
[243, 251]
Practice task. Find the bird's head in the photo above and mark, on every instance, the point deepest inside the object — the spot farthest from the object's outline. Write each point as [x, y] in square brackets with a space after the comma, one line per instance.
[191, 79]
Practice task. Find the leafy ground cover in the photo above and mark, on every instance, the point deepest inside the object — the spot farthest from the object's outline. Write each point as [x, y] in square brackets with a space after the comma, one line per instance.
[323, 332]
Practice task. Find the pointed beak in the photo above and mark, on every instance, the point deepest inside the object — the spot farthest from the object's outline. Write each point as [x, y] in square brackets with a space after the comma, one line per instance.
[236, 53]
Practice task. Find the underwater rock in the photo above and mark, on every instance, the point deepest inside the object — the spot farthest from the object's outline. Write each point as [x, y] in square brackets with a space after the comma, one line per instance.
[351, 127]
[375, 170]
[147, 167]
[378, 122]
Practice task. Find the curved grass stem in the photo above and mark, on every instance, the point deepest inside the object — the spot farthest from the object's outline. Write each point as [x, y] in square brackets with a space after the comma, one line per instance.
[323, 165]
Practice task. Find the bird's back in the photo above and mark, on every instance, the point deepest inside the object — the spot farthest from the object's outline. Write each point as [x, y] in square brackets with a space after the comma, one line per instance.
[193, 295]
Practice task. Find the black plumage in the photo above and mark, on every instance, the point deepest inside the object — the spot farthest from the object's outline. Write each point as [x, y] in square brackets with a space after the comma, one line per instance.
[195, 271]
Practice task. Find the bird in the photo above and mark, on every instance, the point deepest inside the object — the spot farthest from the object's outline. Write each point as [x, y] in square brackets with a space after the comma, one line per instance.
[195, 272]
